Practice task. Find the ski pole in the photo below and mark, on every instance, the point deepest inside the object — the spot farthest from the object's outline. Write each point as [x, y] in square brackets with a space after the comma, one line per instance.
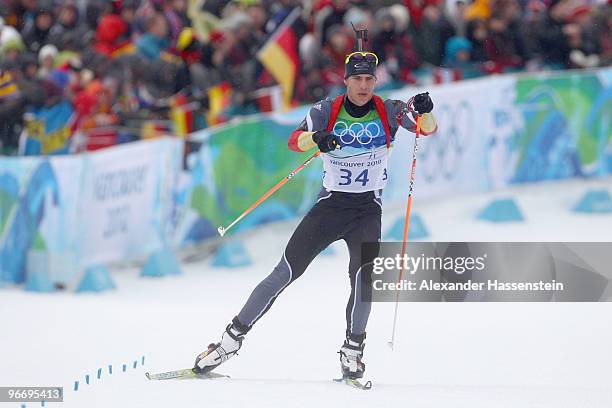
[278, 185]
[406, 224]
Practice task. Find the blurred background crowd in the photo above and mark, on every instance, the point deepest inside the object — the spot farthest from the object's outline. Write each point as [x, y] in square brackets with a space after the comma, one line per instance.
[133, 63]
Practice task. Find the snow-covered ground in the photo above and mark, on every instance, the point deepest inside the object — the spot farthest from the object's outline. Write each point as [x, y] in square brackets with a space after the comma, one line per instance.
[446, 355]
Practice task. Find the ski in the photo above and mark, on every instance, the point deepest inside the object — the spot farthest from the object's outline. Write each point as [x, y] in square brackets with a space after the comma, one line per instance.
[183, 374]
[354, 383]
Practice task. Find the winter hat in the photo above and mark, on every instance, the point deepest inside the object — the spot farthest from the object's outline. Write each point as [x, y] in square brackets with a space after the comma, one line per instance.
[14, 43]
[359, 63]
[8, 33]
[48, 50]
[455, 45]
[59, 78]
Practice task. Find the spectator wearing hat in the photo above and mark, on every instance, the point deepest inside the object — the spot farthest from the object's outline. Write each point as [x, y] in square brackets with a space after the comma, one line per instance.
[7, 32]
[46, 60]
[12, 48]
[457, 53]
[457, 57]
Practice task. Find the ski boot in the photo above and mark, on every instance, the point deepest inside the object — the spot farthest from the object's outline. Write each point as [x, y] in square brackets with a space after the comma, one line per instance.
[351, 353]
[218, 353]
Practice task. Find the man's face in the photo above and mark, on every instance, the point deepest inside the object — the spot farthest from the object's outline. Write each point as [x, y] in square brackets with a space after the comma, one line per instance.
[360, 88]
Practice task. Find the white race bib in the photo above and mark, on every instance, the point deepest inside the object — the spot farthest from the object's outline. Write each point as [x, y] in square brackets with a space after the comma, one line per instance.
[356, 174]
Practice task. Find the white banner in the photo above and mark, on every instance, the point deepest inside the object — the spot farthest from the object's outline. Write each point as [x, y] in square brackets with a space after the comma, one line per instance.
[127, 194]
[476, 120]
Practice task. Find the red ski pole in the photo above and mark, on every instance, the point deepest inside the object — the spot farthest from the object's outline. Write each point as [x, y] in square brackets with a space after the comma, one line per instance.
[406, 224]
[278, 185]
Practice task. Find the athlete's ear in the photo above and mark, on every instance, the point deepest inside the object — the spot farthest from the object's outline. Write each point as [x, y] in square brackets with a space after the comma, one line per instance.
[345, 82]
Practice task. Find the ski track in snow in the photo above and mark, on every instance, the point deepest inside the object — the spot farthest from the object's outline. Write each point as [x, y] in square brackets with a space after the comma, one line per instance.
[455, 355]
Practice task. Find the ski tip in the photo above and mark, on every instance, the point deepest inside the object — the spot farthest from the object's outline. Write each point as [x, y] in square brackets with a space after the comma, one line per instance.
[221, 231]
[148, 375]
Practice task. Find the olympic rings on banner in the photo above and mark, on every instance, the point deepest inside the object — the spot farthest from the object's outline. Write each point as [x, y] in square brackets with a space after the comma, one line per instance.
[442, 155]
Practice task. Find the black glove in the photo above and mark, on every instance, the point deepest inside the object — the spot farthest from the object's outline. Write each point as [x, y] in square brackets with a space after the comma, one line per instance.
[422, 103]
[325, 140]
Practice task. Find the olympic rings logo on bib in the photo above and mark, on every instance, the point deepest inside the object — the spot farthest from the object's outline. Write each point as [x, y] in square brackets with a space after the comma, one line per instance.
[356, 132]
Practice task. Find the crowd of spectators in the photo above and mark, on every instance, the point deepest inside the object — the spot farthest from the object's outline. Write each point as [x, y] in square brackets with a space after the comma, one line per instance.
[121, 62]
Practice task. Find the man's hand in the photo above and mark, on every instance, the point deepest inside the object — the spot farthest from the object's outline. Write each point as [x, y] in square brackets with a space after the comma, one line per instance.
[325, 141]
[422, 103]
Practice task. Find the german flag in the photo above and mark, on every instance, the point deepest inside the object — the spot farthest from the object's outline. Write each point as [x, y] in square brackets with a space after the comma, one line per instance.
[125, 49]
[219, 99]
[280, 56]
[181, 113]
[152, 129]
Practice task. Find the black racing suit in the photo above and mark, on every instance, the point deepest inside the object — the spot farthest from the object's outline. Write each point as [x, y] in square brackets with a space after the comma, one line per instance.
[354, 217]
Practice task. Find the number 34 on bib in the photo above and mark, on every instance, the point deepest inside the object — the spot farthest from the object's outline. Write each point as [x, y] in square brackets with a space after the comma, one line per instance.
[355, 174]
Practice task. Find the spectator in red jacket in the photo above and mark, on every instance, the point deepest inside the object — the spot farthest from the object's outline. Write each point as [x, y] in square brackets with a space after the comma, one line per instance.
[111, 35]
